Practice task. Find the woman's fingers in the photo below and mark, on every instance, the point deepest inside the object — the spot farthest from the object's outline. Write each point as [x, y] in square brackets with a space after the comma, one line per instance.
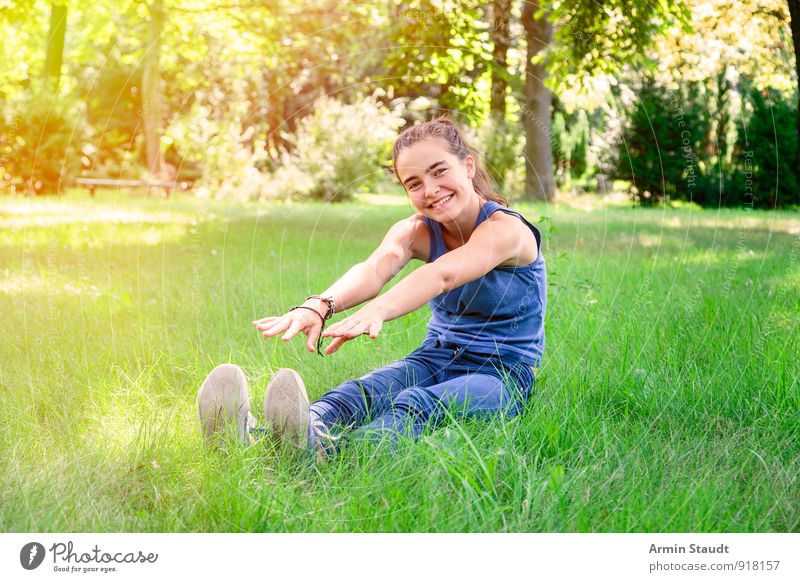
[313, 336]
[375, 329]
[267, 322]
[276, 327]
[295, 327]
[335, 345]
[341, 328]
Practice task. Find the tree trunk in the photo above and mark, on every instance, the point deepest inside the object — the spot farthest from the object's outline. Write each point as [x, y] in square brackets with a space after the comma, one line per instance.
[151, 92]
[536, 108]
[55, 47]
[794, 13]
[501, 10]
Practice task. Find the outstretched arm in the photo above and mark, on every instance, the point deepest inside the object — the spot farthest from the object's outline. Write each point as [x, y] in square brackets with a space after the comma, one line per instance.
[360, 283]
[495, 241]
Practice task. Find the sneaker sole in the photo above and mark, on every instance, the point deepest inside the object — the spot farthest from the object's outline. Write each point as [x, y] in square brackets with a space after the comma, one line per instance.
[286, 407]
[223, 404]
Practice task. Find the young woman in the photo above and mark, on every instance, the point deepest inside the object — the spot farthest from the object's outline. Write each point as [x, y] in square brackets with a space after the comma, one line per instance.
[484, 280]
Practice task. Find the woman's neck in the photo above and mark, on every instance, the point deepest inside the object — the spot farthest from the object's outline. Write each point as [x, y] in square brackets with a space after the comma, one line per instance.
[461, 227]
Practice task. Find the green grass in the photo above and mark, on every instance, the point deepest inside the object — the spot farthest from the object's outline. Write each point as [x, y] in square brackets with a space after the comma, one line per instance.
[667, 400]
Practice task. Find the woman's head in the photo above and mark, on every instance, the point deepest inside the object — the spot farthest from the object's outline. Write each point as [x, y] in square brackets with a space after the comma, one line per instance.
[424, 144]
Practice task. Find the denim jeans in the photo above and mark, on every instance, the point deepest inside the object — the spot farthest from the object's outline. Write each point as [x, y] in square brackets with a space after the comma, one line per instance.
[434, 381]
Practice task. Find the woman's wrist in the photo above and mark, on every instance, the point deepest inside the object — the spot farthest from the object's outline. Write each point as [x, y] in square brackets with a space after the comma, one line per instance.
[317, 305]
[326, 303]
[326, 306]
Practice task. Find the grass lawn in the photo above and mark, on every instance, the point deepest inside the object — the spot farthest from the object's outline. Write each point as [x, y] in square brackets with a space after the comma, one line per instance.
[667, 399]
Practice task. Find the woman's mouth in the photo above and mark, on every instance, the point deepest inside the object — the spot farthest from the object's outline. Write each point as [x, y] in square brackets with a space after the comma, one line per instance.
[441, 201]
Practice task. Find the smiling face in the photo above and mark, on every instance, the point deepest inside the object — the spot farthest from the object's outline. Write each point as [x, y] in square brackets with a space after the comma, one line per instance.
[438, 183]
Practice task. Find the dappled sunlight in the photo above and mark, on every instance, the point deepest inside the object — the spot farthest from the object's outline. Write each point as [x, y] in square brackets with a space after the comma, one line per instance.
[648, 241]
[77, 236]
[382, 199]
[591, 202]
[779, 222]
[52, 284]
[132, 417]
[17, 214]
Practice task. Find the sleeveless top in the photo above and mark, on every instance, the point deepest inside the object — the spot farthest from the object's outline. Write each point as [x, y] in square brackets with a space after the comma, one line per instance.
[501, 313]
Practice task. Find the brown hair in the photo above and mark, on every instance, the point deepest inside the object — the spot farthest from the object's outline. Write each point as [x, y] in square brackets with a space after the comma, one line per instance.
[444, 128]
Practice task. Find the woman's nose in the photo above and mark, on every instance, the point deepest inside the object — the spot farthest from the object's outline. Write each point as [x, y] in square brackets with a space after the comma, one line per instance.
[431, 190]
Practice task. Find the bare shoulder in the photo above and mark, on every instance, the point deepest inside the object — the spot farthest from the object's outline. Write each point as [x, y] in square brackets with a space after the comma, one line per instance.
[529, 249]
[412, 233]
[420, 237]
[408, 237]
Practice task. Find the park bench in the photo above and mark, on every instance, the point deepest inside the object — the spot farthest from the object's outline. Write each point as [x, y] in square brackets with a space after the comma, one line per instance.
[93, 184]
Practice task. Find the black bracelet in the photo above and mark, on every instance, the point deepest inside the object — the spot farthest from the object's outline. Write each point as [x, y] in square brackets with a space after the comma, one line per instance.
[329, 300]
[319, 339]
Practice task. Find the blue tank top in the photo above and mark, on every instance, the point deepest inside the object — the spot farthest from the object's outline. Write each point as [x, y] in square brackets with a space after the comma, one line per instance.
[501, 313]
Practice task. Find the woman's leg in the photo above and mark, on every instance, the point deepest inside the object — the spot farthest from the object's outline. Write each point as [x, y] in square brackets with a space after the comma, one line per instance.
[470, 395]
[357, 401]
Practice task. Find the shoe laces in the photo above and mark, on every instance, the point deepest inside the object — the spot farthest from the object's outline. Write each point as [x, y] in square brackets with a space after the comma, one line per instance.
[322, 439]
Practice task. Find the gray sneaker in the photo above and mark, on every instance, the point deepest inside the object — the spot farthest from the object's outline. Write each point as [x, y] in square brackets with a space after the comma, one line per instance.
[223, 405]
[288, 414]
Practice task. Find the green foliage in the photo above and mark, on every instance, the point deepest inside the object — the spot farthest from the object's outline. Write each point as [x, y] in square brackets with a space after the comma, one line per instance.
[571, 135]
[766, 172]
[39, 147]
[338, 150]
[113, 121]
[501, 145]
[440, 52]
[660, 149]
[214, 140]
[595, 37]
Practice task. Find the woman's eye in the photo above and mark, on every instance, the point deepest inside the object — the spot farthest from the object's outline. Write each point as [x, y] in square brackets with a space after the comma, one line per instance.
[439, 172]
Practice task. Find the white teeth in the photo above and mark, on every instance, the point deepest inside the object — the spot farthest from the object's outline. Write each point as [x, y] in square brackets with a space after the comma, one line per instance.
[442, 201]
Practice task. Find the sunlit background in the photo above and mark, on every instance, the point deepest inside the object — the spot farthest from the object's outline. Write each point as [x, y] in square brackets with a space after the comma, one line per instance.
[250, 100]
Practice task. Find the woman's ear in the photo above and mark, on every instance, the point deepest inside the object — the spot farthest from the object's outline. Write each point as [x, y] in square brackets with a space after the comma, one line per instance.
[469, 161]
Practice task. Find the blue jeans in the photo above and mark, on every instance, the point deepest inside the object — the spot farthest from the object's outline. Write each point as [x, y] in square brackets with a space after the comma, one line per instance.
[422, 389]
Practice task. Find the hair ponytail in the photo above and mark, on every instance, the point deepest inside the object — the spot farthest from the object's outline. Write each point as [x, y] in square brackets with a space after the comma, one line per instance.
[444, 128]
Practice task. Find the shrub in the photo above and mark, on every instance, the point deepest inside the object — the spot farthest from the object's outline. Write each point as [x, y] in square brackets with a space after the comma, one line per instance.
[39, 141]
[571, 135]
[501, 145]
[213, 141]
[765, 171]
[337, 150]
[660, 152]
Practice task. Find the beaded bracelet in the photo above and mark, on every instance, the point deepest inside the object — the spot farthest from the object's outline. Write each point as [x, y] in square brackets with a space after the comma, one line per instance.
[319, 339]
[329, 300]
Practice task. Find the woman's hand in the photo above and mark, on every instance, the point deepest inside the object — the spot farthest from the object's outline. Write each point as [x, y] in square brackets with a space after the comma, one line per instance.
[293, 322]
[367, 320]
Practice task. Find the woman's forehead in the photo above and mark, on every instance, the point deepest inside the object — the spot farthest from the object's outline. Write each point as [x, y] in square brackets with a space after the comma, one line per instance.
[421, 155]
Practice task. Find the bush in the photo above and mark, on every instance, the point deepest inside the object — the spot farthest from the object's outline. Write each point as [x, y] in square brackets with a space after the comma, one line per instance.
[571, 160]
[39, 145]
[337, 150]
[765, 171]
[215, 144]
[501, 145]
[660, 152]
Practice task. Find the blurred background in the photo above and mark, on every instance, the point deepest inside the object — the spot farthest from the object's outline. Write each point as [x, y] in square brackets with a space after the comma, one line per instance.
[253, 100]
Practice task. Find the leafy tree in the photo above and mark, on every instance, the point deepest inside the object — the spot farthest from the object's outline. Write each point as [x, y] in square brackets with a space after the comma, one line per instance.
[794, 10]
[55, 46]
[766, 173]
[151, 92]
[586, 38]
[659, 152]
[501, 41]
